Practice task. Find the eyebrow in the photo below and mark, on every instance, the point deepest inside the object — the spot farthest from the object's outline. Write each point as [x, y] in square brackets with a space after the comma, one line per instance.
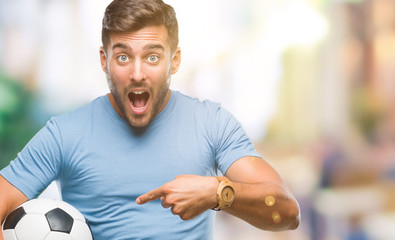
[148, 47]
[120, 45]
[155, 46]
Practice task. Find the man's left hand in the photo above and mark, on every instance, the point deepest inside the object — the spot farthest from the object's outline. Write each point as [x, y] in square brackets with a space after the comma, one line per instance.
[187, 195]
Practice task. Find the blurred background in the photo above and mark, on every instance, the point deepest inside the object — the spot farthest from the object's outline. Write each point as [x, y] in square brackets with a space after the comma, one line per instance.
[311, 81]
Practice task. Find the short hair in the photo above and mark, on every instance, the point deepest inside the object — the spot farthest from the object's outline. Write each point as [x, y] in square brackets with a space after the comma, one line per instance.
[122, 16]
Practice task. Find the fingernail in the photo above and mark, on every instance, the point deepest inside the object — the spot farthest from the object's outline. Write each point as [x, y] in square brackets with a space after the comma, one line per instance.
[138, 201]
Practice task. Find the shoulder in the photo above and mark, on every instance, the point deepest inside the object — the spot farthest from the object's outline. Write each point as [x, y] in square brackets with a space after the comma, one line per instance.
[212, 113]
[83, 111]
[79, 119]
[205, 112]
[196, 104]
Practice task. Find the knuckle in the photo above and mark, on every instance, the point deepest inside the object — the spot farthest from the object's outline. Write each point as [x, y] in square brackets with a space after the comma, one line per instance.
[185, 216]
[167, 188]
[166, 192]
[164, 205]
[176, 211]
[150, 196]
[169, 201]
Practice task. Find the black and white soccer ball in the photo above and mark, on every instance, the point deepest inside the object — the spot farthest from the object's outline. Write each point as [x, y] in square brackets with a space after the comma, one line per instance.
[46, 219]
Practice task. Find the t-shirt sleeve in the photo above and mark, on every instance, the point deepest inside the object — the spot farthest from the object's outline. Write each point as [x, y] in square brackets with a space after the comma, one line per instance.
[38, 164]
[232, 142]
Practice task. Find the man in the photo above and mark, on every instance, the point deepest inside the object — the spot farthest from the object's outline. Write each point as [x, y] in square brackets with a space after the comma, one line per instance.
[134, 160]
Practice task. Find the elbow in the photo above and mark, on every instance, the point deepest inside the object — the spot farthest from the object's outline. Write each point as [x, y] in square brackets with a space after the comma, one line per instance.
[288, 218]
[293, 215]
[282, 219]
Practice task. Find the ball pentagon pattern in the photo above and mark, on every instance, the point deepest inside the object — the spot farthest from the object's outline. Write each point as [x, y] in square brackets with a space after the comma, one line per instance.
[14, 218]
[46, 219]
[59, 220]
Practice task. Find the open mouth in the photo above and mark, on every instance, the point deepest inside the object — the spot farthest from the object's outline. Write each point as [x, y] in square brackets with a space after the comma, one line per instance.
[138, 101]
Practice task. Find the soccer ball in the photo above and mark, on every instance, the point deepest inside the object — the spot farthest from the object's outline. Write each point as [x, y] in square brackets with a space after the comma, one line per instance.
[46, 219]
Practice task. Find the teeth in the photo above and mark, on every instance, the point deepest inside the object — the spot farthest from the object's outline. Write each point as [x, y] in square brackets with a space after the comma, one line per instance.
[138, 92]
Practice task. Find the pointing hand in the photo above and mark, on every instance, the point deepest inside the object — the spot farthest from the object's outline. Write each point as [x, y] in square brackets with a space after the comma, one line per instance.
[187, 195]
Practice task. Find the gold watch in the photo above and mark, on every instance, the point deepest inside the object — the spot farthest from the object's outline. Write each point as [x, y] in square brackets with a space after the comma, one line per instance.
[225, 193]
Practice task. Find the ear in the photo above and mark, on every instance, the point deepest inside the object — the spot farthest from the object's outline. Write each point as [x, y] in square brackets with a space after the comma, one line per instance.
[175, 64]
[103, 59]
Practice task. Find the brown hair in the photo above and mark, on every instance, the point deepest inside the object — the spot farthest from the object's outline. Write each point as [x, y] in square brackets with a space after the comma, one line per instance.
[123, 16]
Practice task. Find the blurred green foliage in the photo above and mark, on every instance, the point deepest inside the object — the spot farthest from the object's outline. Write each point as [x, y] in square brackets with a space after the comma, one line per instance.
[17, 118]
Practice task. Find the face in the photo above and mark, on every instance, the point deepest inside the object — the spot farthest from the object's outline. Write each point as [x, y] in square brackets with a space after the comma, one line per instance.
[138, 68]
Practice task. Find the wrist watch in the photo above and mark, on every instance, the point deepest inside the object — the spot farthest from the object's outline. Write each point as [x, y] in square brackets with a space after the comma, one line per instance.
[225, 193]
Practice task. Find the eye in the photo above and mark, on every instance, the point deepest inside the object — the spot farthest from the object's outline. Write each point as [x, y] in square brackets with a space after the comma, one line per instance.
[152, 58]
[123, 58]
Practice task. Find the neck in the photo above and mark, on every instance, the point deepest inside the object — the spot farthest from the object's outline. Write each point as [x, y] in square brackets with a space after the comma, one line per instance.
[115, 105]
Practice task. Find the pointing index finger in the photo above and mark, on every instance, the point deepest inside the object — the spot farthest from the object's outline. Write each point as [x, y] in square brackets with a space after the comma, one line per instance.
[150, 196]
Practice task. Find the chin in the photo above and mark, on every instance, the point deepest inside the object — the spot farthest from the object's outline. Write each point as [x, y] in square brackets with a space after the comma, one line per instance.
[139, 123]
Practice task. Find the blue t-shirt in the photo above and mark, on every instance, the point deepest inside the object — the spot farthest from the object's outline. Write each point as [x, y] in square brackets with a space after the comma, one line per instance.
[102, 165]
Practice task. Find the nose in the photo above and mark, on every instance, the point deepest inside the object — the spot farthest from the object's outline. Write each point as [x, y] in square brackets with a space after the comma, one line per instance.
[137, 74]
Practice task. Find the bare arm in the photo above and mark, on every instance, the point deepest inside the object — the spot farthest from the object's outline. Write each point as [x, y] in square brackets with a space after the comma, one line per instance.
[10, 198]
[261, 197]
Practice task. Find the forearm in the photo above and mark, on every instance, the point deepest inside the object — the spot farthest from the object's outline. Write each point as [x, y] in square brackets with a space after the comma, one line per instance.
[3, 215]
[10, 198]
[268, 206]
[190, 195]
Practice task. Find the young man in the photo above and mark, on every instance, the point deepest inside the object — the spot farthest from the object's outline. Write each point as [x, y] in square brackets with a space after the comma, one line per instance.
[135, 159]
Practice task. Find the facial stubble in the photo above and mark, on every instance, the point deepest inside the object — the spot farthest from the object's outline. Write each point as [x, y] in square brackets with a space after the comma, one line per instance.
[157, 100]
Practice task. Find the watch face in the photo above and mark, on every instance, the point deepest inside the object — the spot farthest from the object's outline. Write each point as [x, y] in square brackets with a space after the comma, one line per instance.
[228, 194]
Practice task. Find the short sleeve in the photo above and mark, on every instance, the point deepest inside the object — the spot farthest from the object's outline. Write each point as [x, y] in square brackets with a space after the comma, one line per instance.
[231, 141]
[38, 164]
